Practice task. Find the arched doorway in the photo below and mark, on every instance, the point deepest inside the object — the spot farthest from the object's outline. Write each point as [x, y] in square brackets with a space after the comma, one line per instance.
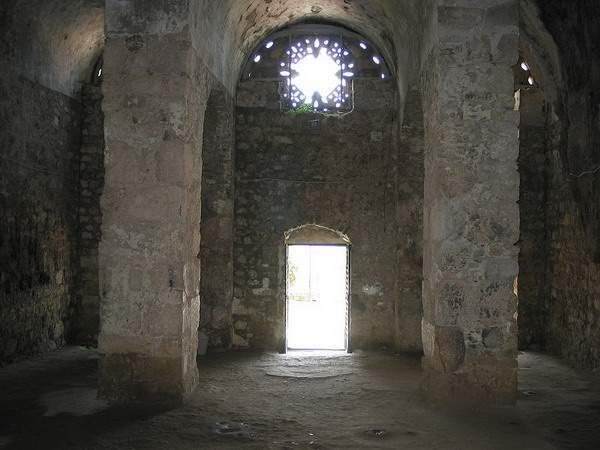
[317, 289]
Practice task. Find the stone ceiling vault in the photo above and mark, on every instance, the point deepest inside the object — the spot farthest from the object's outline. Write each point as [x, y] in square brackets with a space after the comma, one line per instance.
[236, 27]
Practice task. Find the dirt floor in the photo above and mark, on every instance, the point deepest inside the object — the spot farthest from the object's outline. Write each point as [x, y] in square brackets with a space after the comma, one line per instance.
[300, 400]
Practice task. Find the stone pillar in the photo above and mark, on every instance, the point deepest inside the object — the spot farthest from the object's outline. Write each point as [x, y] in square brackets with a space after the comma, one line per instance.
[471, 217]
[149, 269]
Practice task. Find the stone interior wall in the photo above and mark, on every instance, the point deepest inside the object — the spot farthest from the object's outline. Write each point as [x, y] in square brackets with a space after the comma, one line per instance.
[574, 197]
[40, 137]
[338, 172]
[409, 217]
[559, 276]
[533, 285]
[85, 316]
[216, 246]
[573, 320]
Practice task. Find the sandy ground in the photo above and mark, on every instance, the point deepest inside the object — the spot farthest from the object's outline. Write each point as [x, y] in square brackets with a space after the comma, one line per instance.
[300, 400]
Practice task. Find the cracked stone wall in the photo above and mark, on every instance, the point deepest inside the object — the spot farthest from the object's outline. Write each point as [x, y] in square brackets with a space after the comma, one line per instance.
[340, 173]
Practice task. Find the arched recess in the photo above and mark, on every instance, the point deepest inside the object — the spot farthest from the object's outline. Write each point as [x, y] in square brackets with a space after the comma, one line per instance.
[216, 247]
[337, 169]
[236, 27]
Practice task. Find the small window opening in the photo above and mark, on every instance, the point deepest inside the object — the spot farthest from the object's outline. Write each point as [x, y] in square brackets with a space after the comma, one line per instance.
[98, 72]
[316, 65]
[525, 77]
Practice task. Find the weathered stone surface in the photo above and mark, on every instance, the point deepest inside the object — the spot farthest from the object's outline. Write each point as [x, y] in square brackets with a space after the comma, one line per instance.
[336, 175]
[471, 214]
[533, 287]
[558, 293]
[39, 184]
[85, 315]
[155, 95]
[216, 250]
[53, 44]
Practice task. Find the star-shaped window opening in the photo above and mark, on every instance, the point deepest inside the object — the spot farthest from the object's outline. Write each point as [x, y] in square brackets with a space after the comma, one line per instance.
[317, 75]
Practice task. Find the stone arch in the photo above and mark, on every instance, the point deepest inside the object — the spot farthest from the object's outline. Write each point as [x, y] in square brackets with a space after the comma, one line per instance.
[315, 234]
[240, 26]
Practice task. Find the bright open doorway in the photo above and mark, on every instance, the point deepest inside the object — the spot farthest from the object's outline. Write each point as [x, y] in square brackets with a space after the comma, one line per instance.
[317, 297]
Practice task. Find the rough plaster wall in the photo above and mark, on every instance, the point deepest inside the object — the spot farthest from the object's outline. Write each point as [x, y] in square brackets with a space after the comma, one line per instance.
[533, 283]
[216, 247]
[341, 176]
[471, 192]
[39, 166]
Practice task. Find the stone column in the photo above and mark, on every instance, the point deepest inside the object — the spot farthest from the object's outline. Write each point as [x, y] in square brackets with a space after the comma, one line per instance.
[149, 267]
[471, 217]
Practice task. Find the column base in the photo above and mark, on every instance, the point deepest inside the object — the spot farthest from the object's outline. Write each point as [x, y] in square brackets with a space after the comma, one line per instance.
[485, 384]
[133, 376]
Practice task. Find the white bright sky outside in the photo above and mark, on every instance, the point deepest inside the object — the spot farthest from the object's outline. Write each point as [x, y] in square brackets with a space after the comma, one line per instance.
[316, 73]
[317, 298]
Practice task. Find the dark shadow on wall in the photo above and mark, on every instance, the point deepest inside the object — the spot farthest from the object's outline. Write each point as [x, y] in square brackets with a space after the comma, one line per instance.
[39, 194]
[564, 318]
[47, 54]
[216, 248]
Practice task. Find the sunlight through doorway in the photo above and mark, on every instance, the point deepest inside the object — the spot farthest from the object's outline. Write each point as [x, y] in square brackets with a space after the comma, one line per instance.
[317, 297]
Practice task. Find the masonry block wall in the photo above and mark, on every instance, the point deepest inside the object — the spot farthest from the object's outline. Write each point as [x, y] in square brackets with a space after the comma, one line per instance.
[156, 89]
[471, 222]
[409, 217]
[40, 132]
[216, 247]
[534, 282]
[560, 137]
[338, 172]
[573, 216]
[85, 314]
